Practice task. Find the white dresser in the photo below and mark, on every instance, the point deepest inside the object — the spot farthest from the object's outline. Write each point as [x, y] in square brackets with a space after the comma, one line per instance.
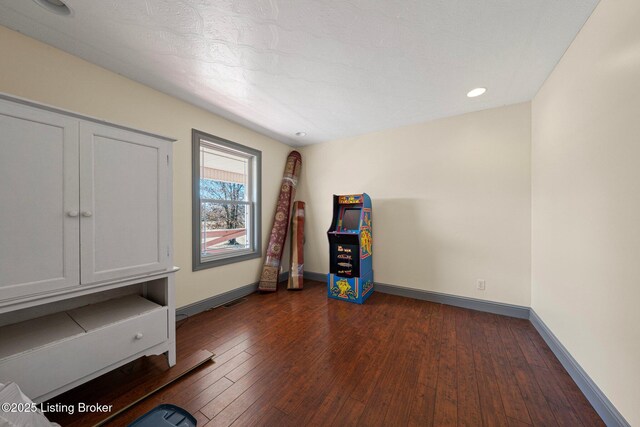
[86, 272]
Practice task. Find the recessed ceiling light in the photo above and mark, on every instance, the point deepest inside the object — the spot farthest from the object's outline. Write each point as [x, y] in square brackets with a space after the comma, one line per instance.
[55, 6]
[476, 92]
[301, 134]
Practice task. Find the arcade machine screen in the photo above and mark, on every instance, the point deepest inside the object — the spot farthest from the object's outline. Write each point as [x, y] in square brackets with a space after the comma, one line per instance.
[351, 219]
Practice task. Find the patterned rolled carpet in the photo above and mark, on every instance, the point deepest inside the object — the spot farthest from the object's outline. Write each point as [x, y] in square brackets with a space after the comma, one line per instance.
[273, 258]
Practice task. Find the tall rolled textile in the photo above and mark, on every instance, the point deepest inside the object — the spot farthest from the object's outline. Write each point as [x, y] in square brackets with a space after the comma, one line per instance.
[273, 258]
[296, 267]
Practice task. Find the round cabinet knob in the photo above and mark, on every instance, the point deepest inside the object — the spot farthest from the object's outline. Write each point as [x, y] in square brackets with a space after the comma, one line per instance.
[86, 214]
[72, 214]
[139, 336]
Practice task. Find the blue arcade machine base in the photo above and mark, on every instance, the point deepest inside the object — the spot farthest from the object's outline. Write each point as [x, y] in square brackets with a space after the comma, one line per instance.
[355, 289]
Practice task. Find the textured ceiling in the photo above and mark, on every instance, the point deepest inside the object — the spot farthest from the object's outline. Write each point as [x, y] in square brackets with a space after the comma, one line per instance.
[330, 68]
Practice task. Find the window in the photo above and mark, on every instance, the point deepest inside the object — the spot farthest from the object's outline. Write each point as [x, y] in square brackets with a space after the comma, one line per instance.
[226, 201]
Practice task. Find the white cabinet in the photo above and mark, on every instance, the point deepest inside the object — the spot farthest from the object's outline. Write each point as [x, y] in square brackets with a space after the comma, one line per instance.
[86, 273]
[82, 202]
[123, 203]
[39, 185]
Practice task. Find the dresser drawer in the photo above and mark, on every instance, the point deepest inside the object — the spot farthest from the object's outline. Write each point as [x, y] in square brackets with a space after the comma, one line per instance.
[54, 366]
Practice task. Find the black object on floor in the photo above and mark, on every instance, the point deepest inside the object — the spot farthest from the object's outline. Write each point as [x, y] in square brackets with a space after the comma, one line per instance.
[165, 415]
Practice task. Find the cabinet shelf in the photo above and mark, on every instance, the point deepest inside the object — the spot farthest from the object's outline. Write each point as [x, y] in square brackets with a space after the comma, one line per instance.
[35, 333]
[59, 350]
[94, 316]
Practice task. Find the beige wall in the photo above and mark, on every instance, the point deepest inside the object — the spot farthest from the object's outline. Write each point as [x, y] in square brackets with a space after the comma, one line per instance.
[586, 202]
[452, 198]
[33, 70]
[451, 202]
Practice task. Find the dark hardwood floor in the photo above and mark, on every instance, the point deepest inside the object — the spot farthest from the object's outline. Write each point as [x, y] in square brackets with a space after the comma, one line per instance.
[295, 358]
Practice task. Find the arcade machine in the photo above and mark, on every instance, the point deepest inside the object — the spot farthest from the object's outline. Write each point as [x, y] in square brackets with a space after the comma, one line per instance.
[350, 248]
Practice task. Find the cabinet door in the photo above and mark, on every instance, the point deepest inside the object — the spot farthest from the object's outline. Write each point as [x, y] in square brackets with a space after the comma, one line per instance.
[124, 203]
[39, 201]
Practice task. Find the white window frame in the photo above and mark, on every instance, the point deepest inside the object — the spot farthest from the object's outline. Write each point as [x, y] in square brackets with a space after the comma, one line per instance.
[254, 204]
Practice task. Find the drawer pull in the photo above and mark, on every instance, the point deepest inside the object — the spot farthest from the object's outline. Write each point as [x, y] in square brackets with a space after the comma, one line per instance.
[139, 336]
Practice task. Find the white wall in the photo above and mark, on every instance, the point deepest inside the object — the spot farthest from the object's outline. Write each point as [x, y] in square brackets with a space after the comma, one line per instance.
[36, 71]
[451, 202]
[586, 202]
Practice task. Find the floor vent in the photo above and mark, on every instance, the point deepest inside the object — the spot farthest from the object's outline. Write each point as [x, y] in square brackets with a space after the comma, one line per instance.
[234, 302]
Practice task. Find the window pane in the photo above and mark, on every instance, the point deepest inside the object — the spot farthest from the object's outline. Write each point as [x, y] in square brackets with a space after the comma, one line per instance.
[224, 228]
[218, 190]
[226, 201]
[223, 175]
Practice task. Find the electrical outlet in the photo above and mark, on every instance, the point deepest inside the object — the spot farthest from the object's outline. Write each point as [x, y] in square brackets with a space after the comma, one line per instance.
[481, 285]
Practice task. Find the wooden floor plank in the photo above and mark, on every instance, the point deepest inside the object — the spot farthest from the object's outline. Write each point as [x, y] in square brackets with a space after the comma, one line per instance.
[207, 395]
[388, 365]
[406, 389]
[446, 410]
[263, 415]
[349, 414]
[535, 400]
[298, 358]
[241, 403]
[512, 400]
[493, 412]
[422, 407]
[122, 395]
[468, 395]
[247, 366]
[577, 399]
[227, 397]
[354, 357]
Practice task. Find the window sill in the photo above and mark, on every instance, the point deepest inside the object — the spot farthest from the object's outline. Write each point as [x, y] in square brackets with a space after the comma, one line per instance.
[198, 265]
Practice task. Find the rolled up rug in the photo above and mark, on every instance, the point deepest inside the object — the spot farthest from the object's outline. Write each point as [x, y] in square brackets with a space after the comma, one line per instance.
[296, 266]
[273, 258]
